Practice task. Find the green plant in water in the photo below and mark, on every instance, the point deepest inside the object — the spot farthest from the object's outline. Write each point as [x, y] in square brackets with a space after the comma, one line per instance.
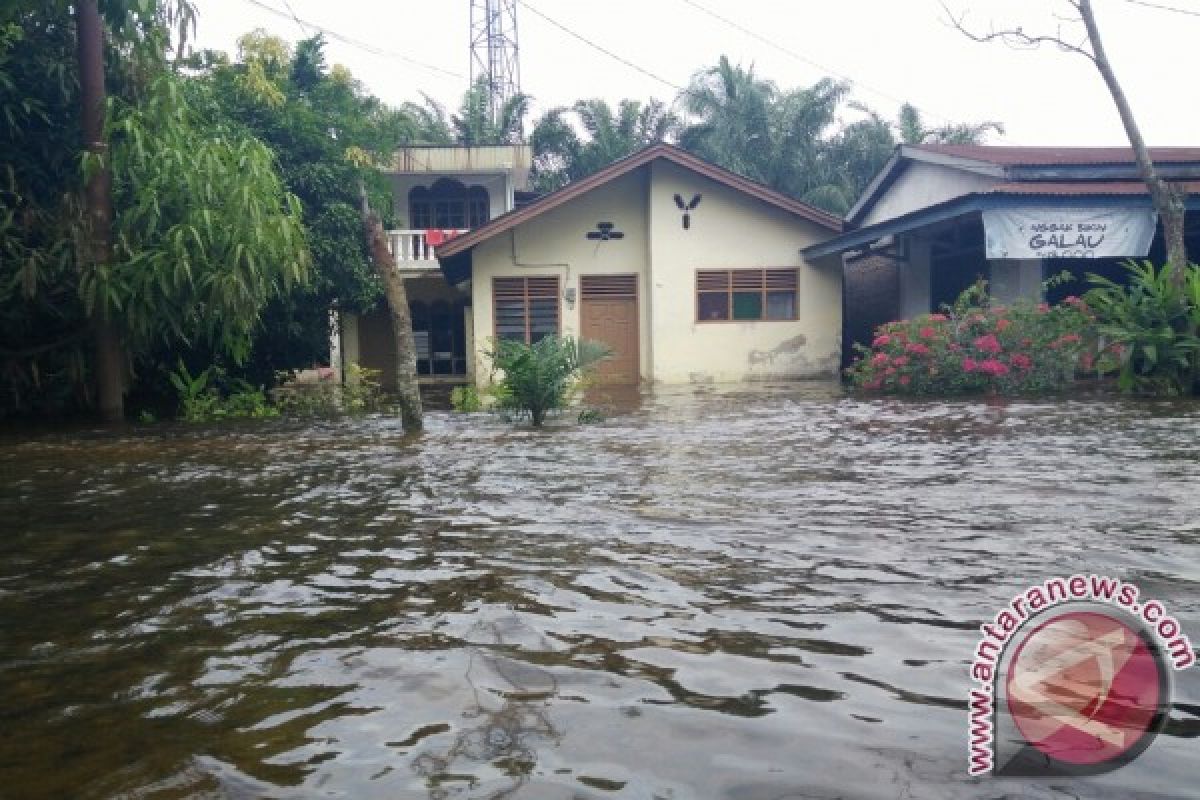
[1150, 328]
[541, 378]
[200, 400]
[466, 399]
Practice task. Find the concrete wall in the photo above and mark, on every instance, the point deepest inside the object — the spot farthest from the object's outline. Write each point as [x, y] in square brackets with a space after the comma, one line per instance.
[923, 185]
[555, 243]
[1013, 280]
[729, 230]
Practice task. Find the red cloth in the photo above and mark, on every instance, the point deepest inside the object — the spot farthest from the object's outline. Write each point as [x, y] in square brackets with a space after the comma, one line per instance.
[436, 236]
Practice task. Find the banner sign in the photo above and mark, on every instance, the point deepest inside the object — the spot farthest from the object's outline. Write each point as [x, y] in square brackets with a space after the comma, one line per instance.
[1047, 232]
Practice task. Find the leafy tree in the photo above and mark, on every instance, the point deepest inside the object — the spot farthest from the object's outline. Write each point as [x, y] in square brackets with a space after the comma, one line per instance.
[561, 155]
[177, 229]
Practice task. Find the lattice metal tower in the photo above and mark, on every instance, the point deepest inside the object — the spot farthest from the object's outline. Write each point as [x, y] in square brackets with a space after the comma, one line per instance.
[494, 51]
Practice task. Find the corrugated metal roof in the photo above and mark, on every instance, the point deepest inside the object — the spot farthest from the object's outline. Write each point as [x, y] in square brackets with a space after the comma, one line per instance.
[1084, 188]
[1015, 156]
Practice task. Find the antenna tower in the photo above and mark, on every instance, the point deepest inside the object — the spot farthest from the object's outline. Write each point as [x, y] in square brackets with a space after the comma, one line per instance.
[494, 51]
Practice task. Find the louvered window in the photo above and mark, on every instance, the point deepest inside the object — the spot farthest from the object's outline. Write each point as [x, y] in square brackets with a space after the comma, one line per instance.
[526, 309]
[599, 287]
[724, 295]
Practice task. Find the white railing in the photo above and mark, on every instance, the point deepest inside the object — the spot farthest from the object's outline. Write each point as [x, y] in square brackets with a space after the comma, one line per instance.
[412, 246]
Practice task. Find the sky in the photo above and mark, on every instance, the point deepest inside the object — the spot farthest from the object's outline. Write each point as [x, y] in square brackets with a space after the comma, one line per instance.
[892, 50]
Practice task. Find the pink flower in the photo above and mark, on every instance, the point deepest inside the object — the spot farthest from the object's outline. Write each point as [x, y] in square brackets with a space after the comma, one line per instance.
[881, 341]
[1071, 338]
[1002, 325]
[1087, 361]
[938, 317]
[988, 344]
[905, 380]
[889, 371]
[1043, 308]
[1072, 300]
[900, 361]
[969, 364]
[879, 359]
[993, 367]
[927, 332]
[917, 349]
[1021, 361]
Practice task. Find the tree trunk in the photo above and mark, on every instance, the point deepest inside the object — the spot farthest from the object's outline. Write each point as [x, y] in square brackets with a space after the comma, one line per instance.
[109, 361]
[406, 388]
[1167, 200]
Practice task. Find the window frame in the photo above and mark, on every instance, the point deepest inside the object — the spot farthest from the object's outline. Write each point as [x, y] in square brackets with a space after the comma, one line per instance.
[764, 289]
[526, 297]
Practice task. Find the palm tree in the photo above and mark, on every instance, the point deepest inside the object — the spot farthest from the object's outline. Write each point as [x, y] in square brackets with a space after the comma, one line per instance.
[561, 155]
[780, 138]
[912, 129]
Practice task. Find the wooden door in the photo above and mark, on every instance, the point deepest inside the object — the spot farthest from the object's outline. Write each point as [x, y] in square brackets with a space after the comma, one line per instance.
[608, 313]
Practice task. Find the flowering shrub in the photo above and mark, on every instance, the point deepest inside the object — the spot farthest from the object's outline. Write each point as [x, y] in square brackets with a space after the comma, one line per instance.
[979, 347]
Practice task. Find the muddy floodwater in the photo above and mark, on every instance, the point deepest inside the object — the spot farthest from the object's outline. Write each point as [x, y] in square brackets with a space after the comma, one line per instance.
[768, 592]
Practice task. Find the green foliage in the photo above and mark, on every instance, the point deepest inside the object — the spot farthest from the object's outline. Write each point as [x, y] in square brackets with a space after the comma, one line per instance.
[466, 399]
[201, 400]
[1150, 325]
[561, 155]
[538, 379]
[979, 347]
[204, 234]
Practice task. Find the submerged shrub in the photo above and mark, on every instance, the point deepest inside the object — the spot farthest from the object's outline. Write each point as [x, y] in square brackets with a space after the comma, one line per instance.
[979, 347]
[1151, 325]
[541, 378]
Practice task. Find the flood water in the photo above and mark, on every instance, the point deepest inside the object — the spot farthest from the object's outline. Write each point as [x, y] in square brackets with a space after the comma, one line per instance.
[768, 592]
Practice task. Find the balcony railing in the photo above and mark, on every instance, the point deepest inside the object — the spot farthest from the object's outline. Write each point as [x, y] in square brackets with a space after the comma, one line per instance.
[412, 248]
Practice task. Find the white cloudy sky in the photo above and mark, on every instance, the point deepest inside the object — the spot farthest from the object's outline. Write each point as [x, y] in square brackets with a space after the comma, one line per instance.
[892, 49]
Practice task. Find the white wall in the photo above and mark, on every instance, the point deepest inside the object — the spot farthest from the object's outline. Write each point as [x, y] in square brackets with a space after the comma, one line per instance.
[729, 230]
[555, 243]
[922, 185]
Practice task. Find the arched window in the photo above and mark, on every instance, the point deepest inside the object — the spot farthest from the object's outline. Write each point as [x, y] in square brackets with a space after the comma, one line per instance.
[448, 204]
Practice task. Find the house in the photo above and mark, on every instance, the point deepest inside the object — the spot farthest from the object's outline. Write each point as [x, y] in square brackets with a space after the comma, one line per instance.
[439, 192]
[688, 272]
[938, 217]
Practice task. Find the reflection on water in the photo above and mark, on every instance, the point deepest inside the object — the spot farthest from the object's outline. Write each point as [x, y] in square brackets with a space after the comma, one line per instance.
[718, 592]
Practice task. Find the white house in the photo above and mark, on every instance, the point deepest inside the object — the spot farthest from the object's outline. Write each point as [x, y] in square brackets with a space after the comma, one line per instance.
[937, 217]
[688, 272]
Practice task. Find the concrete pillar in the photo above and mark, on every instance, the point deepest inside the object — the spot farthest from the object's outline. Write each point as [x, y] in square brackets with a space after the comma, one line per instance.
[335, 345]
[1014, 280]
[916, 293]
[350, 350]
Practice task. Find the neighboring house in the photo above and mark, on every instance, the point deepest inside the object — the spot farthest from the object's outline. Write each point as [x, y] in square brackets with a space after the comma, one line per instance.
[937, 217]
[688, 272]
[439, 192]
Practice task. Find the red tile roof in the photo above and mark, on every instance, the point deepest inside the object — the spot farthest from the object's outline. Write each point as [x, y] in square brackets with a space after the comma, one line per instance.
[1009, 156]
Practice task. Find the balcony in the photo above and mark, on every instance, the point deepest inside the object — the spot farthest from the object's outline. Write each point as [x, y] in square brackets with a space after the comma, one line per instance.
[412, 249]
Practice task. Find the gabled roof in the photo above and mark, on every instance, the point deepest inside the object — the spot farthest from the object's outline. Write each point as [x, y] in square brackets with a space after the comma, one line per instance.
[682, 158]
[1070, 169]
